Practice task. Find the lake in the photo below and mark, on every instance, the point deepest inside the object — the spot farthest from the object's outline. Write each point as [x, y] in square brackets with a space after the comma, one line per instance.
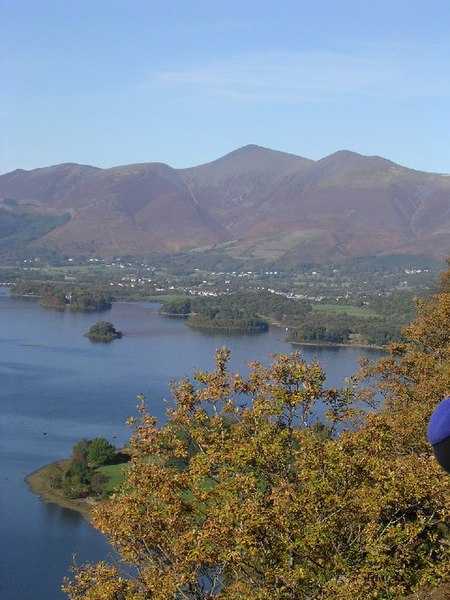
[58, 387]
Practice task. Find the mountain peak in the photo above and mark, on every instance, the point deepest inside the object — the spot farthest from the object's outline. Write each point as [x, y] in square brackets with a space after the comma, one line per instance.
[253, 158]
[279, 205]
[255, 150]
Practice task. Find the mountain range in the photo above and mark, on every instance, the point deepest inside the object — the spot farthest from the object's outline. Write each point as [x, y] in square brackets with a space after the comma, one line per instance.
[254, 202]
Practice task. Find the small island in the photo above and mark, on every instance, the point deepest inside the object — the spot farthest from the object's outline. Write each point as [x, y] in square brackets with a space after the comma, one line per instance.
[103, 332]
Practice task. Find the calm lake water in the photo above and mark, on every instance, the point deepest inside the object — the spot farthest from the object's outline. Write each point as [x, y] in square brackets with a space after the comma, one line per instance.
[58, 387]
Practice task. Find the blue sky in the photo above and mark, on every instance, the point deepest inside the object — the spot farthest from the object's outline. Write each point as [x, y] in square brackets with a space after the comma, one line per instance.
[112, 82]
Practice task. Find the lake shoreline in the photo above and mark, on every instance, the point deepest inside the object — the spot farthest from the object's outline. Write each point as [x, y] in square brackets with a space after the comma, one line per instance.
[182, 316]
[335, 345]
[70, 389]
[39, 484]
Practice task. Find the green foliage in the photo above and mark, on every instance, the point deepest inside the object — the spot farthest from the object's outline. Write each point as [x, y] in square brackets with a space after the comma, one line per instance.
[327, 329]
[352, 311]
[397, 305]
[103, 332]
[91, 300]
[114, 474]
[178, 307]
[100, 452]
[243, 311]
[346, 325]
[227, 321]
[77, 478]
[61, 295]
[378, 324]
[19, 229]
[82, 478]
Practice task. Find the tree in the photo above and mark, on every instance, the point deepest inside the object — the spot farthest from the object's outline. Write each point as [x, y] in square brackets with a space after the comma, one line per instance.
[260, 505]
[76, 480]
[100, 452]
[415, 374]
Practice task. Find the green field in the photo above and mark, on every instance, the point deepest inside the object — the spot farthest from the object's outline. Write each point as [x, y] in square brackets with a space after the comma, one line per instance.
[353, 311]
[115, 474]
[165, 297]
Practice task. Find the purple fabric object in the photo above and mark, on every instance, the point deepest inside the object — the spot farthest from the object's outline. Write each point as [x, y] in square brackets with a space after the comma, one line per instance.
[439, 425]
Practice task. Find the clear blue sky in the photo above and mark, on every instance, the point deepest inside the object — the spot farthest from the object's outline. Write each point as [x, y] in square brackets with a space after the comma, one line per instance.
[111, 82]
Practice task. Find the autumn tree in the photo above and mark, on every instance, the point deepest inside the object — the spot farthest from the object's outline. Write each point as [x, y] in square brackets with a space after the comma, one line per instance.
[238, 496]
[415, 374]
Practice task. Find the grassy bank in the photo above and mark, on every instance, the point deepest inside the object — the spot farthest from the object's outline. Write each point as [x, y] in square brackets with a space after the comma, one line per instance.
[39, 483]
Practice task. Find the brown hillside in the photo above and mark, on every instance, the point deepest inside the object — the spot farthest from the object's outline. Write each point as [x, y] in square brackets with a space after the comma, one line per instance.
[282, 206]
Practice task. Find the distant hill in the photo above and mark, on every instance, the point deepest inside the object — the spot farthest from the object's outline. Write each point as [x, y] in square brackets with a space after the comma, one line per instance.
[253, 202]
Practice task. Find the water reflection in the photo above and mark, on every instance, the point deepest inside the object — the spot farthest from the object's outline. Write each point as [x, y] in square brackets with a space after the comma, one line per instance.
[54, 512]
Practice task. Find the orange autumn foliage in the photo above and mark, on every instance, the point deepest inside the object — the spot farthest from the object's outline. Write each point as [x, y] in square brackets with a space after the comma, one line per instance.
[239, 496]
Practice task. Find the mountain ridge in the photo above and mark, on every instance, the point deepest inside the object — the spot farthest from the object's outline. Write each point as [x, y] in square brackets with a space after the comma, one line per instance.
[340, 207]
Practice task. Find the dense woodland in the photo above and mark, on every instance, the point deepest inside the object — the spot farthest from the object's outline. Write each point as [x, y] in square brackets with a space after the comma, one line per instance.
[376, 324]
[240, 496]
[60, 295]
[248, 311]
